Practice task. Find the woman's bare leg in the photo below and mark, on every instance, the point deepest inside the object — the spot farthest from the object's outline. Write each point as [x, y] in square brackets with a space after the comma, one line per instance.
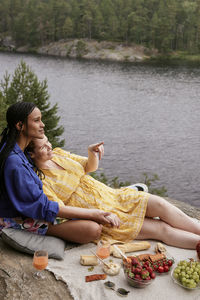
[159, 207]
[78, 231]
[159, 230]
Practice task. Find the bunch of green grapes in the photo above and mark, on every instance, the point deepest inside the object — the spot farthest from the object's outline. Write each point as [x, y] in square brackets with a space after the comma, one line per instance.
[188, 273]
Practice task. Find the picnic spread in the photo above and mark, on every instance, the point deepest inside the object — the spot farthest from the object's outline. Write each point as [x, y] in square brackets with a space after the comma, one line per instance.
[148, 269]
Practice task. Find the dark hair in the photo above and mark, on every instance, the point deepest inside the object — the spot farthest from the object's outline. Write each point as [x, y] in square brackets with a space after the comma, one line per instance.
[30, 148]
[17, 112]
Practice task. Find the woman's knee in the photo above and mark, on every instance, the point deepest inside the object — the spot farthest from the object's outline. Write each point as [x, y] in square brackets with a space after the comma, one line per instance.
[93, 231]
[155, 204]
[79, 231]
[165, 231]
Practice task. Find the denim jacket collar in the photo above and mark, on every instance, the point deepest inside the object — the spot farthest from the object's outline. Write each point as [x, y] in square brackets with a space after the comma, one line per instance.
[19, 152]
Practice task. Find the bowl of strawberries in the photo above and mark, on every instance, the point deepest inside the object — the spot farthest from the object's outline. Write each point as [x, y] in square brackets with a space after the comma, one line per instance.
[138, 274]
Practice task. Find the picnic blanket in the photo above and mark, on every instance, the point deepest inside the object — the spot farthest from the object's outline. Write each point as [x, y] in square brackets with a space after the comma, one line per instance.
[73, 274]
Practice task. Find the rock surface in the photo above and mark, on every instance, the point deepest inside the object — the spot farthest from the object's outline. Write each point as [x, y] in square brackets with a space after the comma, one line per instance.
[87, 49]
[17, 282]
[91, 49]
[16, 272]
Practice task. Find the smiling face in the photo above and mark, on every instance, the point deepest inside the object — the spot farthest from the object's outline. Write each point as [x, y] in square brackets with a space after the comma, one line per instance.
[41, 150]
[34, 127]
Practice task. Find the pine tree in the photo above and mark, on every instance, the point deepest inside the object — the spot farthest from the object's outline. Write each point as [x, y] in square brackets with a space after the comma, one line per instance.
[25, 86]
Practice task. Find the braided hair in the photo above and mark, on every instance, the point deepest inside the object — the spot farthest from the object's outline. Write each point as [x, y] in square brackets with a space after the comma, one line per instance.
[17, 112]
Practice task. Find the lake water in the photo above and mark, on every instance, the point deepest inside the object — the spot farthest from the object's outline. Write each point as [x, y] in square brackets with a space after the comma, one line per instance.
[147, 116]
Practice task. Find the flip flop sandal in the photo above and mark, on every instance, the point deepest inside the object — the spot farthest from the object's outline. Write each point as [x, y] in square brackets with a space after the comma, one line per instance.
[139, 187]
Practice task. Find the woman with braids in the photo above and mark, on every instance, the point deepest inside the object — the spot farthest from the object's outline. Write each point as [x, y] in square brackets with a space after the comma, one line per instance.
[23, 204]
[66, 181]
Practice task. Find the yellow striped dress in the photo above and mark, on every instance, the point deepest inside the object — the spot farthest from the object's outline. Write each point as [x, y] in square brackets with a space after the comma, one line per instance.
[71, 186]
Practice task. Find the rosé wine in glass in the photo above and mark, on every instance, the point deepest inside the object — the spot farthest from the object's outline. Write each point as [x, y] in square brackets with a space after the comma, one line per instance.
[40, 262]
[103, 249]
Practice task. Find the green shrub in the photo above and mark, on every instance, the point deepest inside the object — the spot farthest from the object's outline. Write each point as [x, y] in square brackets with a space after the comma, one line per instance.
[81, 48]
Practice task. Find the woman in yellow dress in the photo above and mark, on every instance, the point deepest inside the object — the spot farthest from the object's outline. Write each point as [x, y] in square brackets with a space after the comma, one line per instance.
[66, 181]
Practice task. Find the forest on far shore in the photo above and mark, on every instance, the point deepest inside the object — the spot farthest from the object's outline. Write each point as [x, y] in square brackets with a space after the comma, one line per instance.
[167, 25]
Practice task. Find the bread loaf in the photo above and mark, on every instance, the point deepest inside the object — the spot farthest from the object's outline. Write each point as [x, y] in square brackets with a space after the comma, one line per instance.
[136, 246]
[130, 247]
[88, 260]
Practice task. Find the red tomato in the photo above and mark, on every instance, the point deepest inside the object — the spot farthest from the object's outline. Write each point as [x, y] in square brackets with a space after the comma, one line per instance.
[166, 269]
[170, 262]
[160, 269]
[155, 268]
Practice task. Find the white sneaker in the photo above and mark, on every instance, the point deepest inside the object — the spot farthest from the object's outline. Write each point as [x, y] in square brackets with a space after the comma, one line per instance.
[141, 187]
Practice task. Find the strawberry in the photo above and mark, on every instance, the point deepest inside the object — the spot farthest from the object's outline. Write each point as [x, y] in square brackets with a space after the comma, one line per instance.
[138, 277]
[149, 269]
[133, 269]
[135, 262]
[148, 278]
[138, 270]
[153, 275]
[144, 274]
[131, 275]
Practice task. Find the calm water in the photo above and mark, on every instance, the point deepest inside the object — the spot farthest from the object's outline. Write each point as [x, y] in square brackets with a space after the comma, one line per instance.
[148, 117]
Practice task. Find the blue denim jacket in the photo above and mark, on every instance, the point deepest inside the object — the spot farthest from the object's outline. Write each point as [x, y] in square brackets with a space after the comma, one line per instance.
[25, 196]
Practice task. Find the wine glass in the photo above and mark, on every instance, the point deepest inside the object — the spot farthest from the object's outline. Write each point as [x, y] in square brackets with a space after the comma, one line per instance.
[103, 249]
[40, 261]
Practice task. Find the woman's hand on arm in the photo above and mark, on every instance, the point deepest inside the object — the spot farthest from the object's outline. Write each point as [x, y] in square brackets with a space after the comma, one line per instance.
[114, 220]
[96, 215]
[95, 153]
[106, 217]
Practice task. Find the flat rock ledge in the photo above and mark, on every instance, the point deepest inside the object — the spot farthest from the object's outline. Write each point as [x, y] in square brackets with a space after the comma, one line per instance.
[85, 49]
[16, 272]
[91, 49]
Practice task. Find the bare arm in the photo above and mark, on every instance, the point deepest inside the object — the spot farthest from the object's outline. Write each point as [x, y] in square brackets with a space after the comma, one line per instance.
[95, 153]
[96, 215]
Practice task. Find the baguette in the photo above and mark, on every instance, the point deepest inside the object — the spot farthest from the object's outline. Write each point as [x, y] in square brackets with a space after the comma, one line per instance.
[88, 260]
[130, 247]
[95, 277]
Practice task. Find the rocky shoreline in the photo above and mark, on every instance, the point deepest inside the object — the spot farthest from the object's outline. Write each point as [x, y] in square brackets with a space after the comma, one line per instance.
[86, 49]
[102, 51]
[16, 272]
